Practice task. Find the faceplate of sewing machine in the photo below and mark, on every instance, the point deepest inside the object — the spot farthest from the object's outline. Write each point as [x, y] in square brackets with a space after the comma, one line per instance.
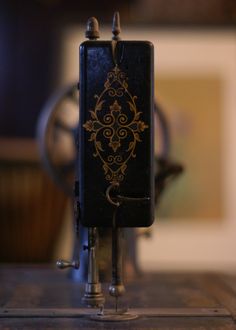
[116, 133]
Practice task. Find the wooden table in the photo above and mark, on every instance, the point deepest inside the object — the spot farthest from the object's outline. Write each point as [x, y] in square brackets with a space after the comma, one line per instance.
[37, 297]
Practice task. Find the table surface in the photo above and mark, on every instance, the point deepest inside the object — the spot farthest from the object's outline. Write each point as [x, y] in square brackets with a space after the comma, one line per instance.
[40, 289]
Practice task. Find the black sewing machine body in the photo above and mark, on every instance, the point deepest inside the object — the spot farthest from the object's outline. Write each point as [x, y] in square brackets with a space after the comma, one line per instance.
[116, 132]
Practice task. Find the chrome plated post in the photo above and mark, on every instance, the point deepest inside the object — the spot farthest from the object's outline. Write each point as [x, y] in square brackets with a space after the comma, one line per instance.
[93, 296]
[117, 288]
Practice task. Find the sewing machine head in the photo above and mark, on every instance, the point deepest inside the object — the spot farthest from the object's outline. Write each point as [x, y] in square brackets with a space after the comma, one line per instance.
[115, 181]
[114, 174]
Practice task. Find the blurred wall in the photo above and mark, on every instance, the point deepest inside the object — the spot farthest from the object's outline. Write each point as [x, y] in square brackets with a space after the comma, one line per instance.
[39, 53]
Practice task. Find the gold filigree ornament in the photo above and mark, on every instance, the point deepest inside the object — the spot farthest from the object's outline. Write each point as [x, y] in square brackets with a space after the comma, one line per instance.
[114, 130]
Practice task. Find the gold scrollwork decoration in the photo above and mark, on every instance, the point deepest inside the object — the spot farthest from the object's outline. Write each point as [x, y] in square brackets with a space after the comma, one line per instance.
[114, 130]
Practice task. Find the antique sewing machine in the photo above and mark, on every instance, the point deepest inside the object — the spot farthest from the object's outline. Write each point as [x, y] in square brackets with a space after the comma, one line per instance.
[117, 177]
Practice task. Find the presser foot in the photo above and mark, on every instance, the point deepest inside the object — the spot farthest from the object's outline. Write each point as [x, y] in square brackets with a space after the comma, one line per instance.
[113, 316]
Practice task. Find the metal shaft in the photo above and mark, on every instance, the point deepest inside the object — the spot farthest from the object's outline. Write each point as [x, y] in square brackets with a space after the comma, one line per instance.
[93, 276]
[93, 296]
[117, 288]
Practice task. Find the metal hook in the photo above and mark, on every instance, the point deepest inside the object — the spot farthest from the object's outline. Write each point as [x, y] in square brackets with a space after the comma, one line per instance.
[109, 198]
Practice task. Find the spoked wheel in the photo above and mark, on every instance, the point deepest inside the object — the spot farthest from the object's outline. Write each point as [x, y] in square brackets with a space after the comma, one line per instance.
[56, 132]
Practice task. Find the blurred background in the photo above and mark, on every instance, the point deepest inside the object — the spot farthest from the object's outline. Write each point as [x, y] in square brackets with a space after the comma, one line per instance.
[195, 84]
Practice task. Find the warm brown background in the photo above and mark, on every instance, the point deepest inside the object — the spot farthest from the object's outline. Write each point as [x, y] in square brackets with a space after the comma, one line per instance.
[194, 108]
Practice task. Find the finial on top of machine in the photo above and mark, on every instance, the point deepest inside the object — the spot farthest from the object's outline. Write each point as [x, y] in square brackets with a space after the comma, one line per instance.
[116, 26]
[92, 29]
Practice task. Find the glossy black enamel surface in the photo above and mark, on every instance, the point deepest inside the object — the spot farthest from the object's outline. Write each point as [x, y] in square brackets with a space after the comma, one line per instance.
[116, 83]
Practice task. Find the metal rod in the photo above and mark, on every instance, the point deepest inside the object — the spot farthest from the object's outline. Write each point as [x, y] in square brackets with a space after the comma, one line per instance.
[93, 276]
[117, 288]
[93, 296]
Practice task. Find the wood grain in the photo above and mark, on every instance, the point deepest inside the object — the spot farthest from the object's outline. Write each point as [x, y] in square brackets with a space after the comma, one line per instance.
[45, 290]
